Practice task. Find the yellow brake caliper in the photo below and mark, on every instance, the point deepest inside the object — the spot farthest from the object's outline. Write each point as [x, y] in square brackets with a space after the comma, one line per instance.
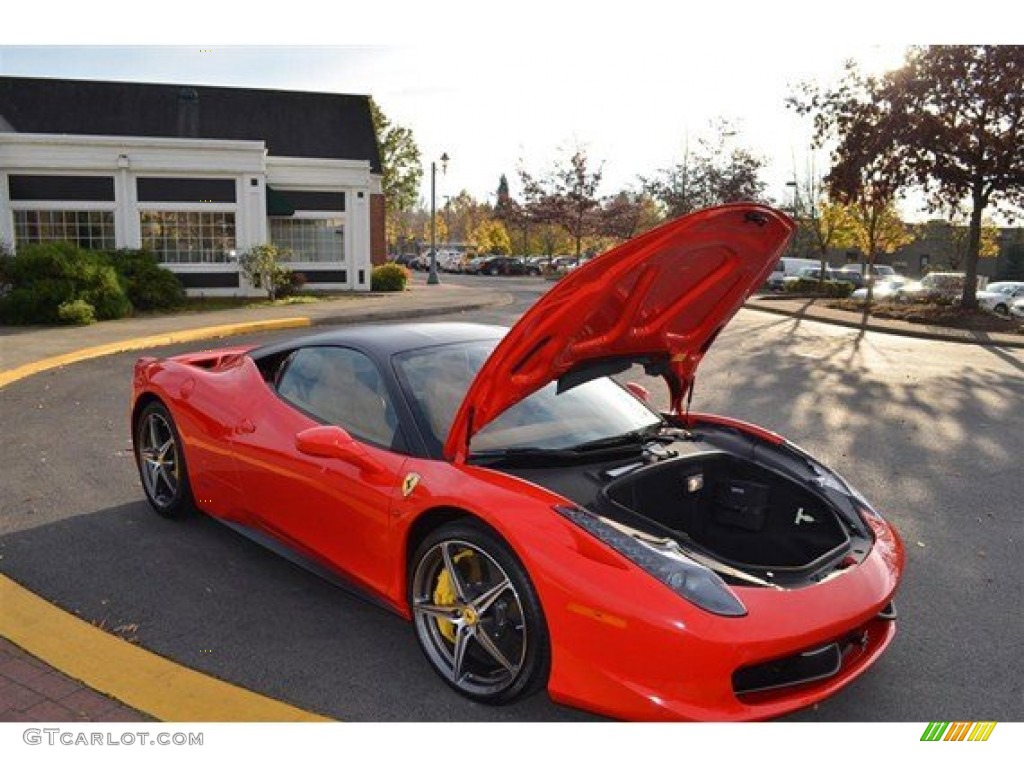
[445, 594]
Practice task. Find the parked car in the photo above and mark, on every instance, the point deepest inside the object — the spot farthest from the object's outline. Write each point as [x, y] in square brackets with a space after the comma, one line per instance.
[998, 297]
[883, 291]
[449, 261]
[1017, 309]
[788, 266]
[563, 263]
[405, 259]
[537, 524]
[507, 265]
[814, 273]
[875, 273]
[934, 286]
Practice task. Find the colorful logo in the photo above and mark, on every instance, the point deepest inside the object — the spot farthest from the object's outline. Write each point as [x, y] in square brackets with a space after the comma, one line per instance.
[961, 731]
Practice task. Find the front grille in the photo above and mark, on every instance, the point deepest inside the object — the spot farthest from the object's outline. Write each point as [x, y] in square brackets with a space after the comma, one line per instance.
[805, 667]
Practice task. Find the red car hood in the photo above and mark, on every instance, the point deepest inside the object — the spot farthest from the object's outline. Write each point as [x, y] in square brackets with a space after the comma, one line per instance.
[660, 298]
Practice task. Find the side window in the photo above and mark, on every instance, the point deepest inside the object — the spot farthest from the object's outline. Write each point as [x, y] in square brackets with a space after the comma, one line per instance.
[343, 387]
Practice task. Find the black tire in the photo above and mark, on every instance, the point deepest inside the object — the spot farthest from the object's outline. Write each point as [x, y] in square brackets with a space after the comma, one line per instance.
[161, 461]
[491, 609]
[492, 272]
[1002, 310]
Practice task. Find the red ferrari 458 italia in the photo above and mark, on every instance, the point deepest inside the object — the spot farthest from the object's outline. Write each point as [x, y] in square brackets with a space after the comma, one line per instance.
[539, 524]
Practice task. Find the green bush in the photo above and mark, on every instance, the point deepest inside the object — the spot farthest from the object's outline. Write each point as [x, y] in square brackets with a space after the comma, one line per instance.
[42, 277]
[834, 289]
[147, 285]
[289, 283]
[77, 312]
[261, 266]
[389, 277]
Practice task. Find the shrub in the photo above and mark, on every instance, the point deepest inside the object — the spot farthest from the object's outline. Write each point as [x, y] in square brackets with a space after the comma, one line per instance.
[147, 285]
[389, 277]
[836, 289]
[77, 312]
[260, 264]
[289, 282]
[42, 277]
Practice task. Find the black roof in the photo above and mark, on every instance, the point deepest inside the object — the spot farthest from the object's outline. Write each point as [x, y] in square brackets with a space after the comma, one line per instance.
[292, 123]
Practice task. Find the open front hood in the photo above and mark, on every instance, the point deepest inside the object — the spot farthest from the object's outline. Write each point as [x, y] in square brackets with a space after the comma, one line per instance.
[660, 299]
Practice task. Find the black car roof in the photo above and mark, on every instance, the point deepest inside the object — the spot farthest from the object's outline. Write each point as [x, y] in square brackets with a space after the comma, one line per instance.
[389, 339]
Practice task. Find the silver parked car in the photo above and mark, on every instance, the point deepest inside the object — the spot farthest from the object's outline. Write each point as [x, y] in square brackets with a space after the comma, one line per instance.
[998, 297]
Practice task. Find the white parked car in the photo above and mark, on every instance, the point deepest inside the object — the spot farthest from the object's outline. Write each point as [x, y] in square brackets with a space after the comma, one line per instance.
[788, 266]
[998, 297]
[1017, 309]
[885, 289]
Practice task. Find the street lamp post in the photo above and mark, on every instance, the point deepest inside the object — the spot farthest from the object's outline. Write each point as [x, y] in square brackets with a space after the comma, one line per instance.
[432, 278]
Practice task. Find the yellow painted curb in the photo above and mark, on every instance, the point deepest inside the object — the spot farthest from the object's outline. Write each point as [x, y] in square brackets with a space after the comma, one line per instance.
[140, 679]
[148, 342]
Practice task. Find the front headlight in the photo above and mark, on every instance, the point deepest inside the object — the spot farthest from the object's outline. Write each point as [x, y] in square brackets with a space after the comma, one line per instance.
[663, 559]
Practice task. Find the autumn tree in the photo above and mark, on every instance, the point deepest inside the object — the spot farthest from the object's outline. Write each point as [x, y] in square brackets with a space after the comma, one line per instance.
[490, 236]
[566, 197]
[873, 226]
[950, 120]
[713, 174]
[402, 172]
[628, 214]
[821, 223]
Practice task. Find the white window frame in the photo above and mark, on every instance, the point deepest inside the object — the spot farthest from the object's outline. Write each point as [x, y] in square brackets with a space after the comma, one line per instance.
[228, 265]
[346, 246]
[61, 205]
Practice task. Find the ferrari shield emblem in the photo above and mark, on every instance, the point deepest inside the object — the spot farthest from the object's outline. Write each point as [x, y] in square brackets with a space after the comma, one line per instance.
[409, 483]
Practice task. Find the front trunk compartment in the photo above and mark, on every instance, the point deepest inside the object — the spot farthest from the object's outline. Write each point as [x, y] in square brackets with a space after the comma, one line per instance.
[746, 515]
[757, 514]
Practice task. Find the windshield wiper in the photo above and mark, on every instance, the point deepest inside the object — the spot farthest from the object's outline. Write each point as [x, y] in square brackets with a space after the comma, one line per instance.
[636, 437]
[523, 452]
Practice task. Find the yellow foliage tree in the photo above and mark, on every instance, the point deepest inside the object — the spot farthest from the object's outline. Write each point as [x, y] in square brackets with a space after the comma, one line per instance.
[490, 236]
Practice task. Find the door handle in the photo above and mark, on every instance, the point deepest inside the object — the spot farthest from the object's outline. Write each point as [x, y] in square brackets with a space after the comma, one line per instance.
[245, 427]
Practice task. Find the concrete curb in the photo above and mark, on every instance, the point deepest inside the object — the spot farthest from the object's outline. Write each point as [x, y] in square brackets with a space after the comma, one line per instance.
[979, 338]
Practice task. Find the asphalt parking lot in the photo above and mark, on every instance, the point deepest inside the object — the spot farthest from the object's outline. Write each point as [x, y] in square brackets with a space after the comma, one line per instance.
[932, 432]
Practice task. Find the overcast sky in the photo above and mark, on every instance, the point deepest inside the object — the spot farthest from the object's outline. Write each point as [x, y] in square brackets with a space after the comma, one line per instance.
[516, 86]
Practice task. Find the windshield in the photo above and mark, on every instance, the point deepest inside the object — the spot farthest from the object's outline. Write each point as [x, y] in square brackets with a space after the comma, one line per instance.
[436, 380]
[1006, 289]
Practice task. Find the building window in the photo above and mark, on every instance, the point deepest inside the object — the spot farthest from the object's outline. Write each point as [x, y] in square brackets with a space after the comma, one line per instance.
[310, 240]
[188, 237]
[87, 229]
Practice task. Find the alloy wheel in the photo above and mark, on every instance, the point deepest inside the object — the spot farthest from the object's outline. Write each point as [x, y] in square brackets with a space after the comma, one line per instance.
[158, 459]
[469, 618]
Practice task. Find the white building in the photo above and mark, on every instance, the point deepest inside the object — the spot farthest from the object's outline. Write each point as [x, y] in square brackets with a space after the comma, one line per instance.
[195, 174]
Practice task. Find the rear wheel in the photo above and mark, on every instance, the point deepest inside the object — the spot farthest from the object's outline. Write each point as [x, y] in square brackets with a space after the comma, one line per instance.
[1002, 310]
[476, 615]
[161, 461]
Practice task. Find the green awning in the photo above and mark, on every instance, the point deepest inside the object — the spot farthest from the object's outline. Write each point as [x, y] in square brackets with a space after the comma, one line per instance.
[278, 203]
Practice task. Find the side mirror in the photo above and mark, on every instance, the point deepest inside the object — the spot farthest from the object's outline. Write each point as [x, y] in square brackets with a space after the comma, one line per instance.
[334, 443]
[639, 391]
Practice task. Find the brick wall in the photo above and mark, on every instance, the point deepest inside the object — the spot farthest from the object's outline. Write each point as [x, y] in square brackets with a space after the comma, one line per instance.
[378, 240]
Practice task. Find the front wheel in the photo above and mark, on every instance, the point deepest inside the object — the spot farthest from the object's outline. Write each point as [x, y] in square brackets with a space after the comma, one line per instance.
[477, 616]
[1002, 310]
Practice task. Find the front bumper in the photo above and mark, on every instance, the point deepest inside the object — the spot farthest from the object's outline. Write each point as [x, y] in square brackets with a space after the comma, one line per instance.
[681, 663]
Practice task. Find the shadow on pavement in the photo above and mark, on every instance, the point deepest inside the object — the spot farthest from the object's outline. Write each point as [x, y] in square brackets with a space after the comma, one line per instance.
[200, 594]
